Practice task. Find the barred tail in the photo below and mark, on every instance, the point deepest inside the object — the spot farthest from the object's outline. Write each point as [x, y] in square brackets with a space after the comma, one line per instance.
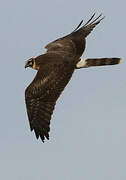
[98, 62]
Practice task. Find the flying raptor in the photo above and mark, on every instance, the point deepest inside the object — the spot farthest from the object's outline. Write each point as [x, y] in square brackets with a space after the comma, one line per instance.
[54, 71]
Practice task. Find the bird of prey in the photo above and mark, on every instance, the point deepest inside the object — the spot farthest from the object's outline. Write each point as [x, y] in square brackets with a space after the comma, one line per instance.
[54, 71]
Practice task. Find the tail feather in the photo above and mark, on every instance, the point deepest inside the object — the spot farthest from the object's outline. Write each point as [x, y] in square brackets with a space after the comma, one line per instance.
[98, 62]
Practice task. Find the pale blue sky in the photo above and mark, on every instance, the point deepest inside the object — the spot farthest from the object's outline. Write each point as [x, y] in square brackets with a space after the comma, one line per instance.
[88, 128]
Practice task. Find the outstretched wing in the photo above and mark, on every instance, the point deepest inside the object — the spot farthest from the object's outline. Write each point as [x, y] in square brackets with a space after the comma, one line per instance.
[42, 93]
[74, 43]
[88, 26]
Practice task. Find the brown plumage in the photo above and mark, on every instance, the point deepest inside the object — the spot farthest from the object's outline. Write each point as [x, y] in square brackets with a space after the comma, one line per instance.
[55, 69]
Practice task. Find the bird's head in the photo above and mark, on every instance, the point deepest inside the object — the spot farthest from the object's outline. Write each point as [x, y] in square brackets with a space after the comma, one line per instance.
[29, 63]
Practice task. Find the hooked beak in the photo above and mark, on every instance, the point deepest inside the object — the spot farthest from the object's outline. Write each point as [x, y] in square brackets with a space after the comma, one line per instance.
[26, 64]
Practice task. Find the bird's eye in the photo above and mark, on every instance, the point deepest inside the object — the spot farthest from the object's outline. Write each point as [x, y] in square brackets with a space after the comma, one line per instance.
[31, 63]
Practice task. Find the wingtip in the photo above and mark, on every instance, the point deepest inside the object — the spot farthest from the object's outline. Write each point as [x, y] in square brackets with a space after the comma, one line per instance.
[42, 140]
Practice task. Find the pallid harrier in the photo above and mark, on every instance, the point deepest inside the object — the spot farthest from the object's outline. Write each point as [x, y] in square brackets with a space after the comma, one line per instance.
[55, 69]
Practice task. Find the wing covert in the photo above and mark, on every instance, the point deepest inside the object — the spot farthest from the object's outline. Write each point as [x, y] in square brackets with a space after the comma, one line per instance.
[42, 93]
